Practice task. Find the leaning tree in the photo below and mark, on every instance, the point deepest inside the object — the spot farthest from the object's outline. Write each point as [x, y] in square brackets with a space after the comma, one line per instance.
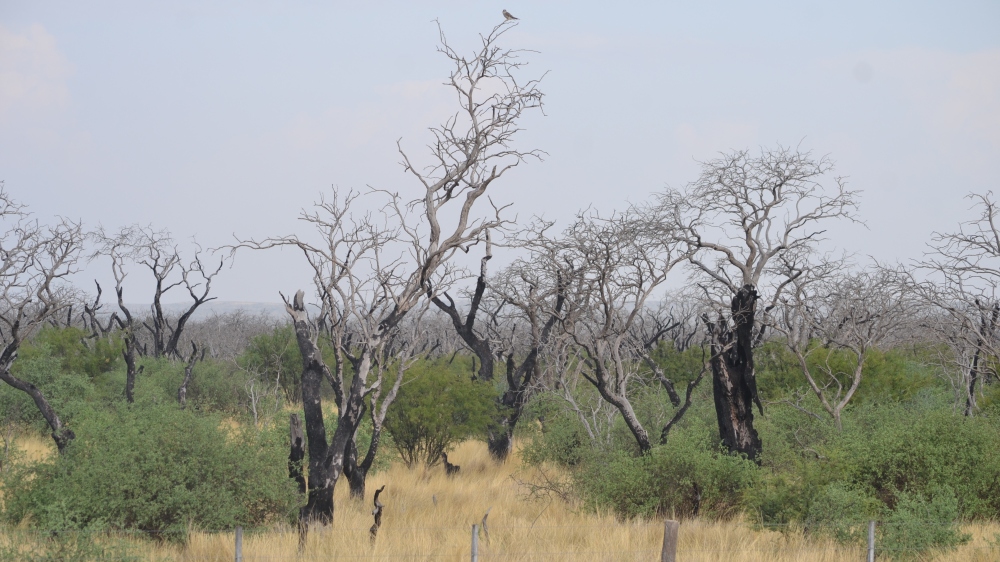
[372, 269]
[35, 261]
[744, 213]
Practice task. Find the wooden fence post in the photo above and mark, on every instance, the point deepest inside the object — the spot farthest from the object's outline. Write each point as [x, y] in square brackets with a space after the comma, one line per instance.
[871, 541]
[239, 544]
[475, 543]
[669, 552]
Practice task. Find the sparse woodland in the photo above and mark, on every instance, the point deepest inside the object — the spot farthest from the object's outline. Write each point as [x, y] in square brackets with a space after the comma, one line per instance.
[708, 354]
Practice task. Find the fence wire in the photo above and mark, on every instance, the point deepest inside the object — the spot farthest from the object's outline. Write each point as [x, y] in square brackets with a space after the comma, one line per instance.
[78, 545]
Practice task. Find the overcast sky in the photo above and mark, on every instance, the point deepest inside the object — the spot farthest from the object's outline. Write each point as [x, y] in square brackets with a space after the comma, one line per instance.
[220, 118]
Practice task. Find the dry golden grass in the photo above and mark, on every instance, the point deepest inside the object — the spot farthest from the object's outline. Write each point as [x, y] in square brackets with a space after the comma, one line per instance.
[428, 516]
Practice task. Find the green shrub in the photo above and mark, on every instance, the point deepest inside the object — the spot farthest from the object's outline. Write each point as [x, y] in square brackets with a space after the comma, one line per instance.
[67, 393]
[842, 513]
[275, 357]
[688, 476]
[922, 522]
[438, 406]
[156, 468]
[920, 447]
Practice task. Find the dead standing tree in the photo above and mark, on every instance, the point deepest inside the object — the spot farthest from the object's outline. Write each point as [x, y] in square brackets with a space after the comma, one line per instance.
[530, 305]
[366, 292]
[613, 268]
[830, 312]
[154, 250]
[738, 218]
[34, 262]
[963, 278]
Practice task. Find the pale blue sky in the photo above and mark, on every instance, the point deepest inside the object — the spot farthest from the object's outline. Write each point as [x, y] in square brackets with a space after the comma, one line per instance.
[211, 118]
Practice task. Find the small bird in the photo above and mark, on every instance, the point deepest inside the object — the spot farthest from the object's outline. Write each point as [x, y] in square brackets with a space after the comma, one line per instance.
[507, 16]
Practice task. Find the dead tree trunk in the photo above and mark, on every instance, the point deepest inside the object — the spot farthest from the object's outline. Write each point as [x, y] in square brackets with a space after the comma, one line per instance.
[60, 434]
[296, 452]
[986, 329]
[326, 460]
[188, 372]
[733, 382]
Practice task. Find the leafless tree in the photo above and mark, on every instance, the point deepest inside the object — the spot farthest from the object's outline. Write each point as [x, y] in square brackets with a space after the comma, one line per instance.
[962, 279]
[613, 270]
[528, 301]
[156, 251]
[835, 313]
[737, 219]
[402, 348]
[225, 336]
[36, 260]
[372, 270]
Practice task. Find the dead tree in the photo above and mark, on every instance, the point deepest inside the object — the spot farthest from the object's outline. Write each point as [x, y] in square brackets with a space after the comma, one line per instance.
[157, 252]
[517, 299]
[36, 260]
[742, 214]
[377, 514]
[372, 270]
[962, 280]
[188, 373]
[449, 469]
[478, 343]
[613, 268]
[400, 352]
[830, 312]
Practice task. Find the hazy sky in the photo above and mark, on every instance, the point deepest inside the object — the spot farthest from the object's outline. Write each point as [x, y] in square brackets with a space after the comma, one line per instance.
[215, 118]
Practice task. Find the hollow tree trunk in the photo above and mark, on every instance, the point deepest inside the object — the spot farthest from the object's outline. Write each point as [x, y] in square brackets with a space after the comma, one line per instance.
[733, 382]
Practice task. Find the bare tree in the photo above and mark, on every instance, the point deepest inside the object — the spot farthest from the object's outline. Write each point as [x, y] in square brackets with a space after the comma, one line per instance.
[613, 269]
[35, 262]
[156, 251]
[835, 313]
[401, 350]
[365, 288]
[529, 300]
[742, 214]
[963, 277]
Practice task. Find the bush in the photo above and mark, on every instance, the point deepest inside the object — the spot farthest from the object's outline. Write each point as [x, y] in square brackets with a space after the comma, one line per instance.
[688, 476]
[842, 513]
[156, 468]
[921, 523]
[438, 406]
[918, 448]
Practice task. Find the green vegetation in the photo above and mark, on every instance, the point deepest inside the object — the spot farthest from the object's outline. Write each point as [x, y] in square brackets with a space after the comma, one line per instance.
[903, 457]
[156, 468]
[438, 406]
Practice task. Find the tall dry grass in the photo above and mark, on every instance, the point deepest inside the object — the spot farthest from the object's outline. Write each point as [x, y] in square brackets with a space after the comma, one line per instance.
[428, 516]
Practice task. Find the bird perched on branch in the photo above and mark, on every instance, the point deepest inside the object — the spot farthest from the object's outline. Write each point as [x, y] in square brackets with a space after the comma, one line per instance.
[507, 16]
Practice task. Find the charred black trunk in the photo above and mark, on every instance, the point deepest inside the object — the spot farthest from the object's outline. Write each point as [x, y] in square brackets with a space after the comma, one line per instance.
[60, 434]
[733, 382]
[355, 473]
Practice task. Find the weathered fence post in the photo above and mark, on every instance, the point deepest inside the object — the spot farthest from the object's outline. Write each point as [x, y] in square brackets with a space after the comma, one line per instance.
[239, 544]
[669, 552]
[475, 543]
[871, 541]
